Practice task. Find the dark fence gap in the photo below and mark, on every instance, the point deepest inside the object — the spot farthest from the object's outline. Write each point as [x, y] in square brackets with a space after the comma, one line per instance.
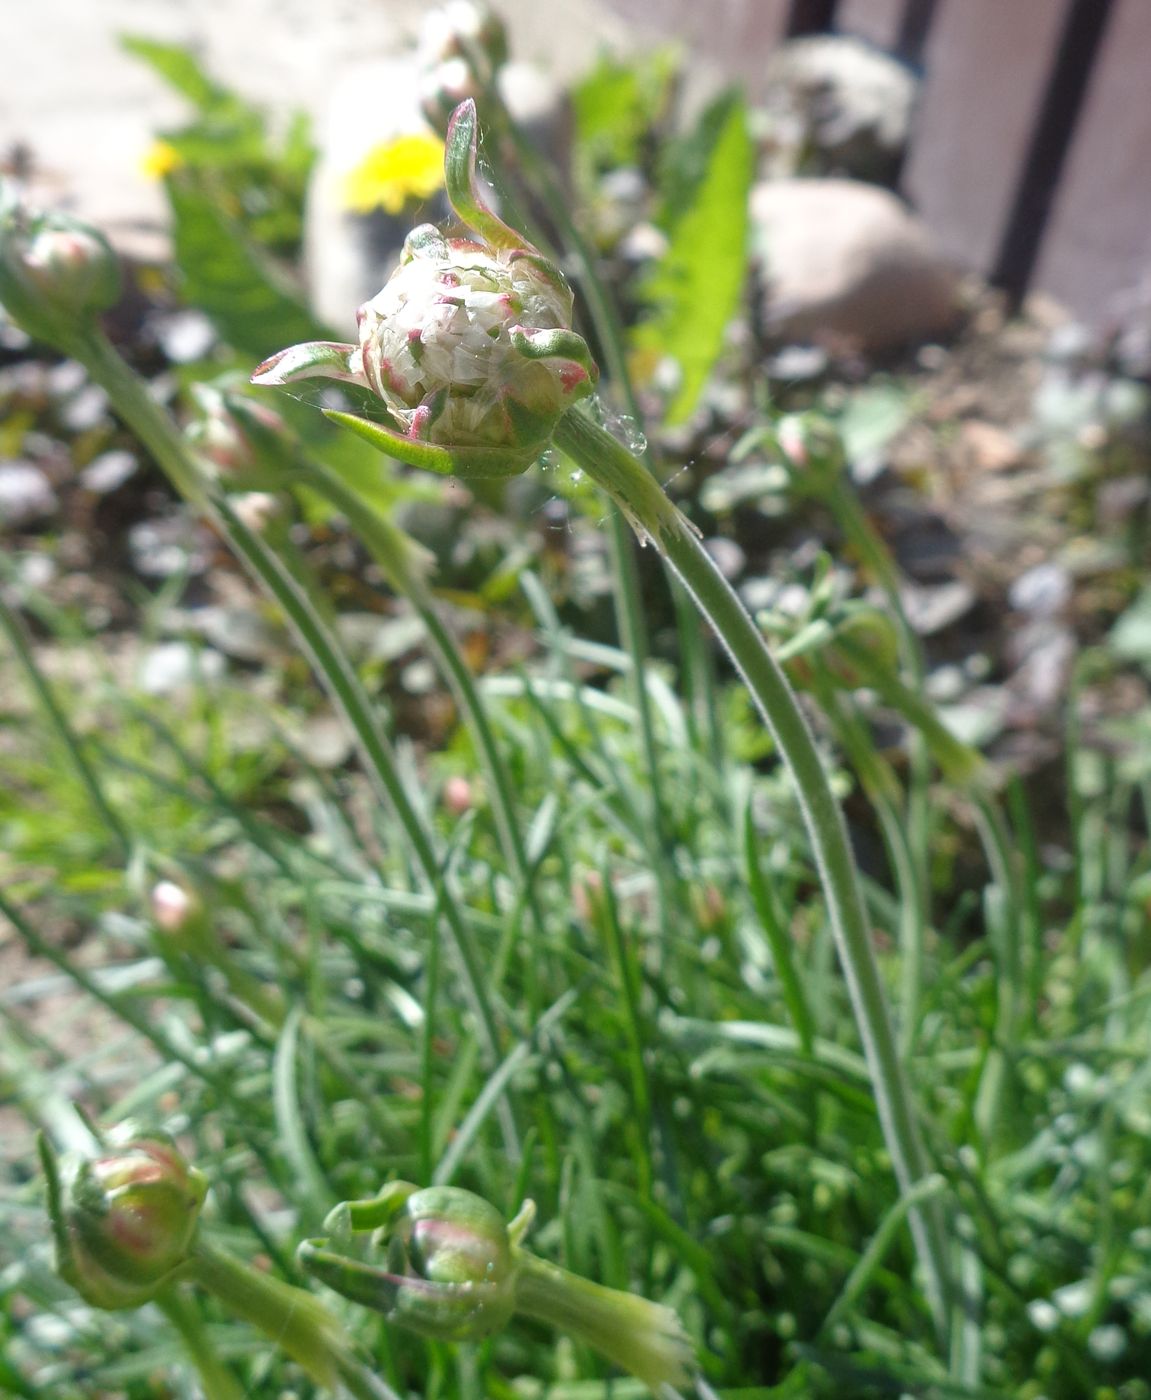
[914, 27]
[810, 17]
[1051, 137]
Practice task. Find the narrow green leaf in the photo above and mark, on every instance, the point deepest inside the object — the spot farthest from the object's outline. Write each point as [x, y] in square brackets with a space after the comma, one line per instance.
[290, 1124]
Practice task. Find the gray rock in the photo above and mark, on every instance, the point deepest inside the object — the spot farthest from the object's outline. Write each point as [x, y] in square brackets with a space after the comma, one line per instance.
[846, 106]
[848, 266]
[1043, 590]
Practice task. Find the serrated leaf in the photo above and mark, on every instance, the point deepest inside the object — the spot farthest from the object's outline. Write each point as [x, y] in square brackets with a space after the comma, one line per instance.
[229, 278]
[177, 66]
[695, 288]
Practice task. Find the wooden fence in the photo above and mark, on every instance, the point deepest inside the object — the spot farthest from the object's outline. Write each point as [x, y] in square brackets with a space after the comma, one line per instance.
[1031, 154]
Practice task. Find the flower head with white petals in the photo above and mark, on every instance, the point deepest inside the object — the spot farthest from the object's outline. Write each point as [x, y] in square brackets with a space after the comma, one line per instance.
[469, 346]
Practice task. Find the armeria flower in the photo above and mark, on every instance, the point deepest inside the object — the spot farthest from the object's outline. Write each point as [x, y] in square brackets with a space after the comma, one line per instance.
[442, 1262]
[469, 346]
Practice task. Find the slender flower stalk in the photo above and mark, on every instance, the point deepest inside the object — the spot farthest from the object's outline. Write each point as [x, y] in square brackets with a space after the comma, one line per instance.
[428, 443]
[462, 50]
[443, 1263]
[46, 312]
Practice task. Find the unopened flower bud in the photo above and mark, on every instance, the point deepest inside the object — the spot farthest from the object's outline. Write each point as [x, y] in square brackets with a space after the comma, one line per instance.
[173, 907]
[124, 1221]
[812, 448]
[468, 33]
[458, 795]
[443, 1263]
[56, 273]
[469, 346]
[445, 1266]
[241, 439]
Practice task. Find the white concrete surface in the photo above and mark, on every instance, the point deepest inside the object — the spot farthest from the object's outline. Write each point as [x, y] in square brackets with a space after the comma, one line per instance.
[87, 111]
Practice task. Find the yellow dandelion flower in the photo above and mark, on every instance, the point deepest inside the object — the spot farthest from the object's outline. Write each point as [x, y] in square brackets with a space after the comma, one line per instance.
[160, 159]
[408, 167]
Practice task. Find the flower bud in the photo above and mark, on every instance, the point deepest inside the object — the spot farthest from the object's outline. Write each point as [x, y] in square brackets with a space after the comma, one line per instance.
[458, 795]
[237, 437]
[124, 1221]
[174, 908]
[56, 273]
[447, 1269]
[469, 346]
[812, 450]
[468, 34]
[451, 1269]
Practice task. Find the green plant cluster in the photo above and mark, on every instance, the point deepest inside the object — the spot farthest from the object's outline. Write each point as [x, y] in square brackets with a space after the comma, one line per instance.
[581, 953]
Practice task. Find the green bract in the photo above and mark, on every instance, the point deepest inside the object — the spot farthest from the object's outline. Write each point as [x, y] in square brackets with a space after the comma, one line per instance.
[124, 1221]
[469, 346]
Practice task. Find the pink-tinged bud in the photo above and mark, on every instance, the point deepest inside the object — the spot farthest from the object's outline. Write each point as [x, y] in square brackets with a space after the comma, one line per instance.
[56, 273]
[458, 796]
[443, 1263]
[241, 439]
[469, 345]
[124, 1221]
[811, 447]
[446, 1268]
[587, 895]
[447, 343]
[173, 907]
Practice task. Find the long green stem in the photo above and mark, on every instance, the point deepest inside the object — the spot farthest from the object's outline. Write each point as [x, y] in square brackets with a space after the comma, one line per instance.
[298, 1323]
[336, 672]
[630, 621]
[393, 552]
[872, 550]
[59, 722]
[218, 1382]
[649, 510]
[644, 1338]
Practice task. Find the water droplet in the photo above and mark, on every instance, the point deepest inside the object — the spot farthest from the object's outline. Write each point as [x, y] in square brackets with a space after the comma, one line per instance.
[629, 432]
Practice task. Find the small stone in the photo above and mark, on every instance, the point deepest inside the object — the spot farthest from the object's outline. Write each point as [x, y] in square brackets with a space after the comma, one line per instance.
[185, 336]
[987, 447]
[1043, 591]
[68, 377]
[931, 609]
[84, 409]
[108, 472]
[161, 548]
[848, 266]
[729, 559]
[26, 495]
[176, 666]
